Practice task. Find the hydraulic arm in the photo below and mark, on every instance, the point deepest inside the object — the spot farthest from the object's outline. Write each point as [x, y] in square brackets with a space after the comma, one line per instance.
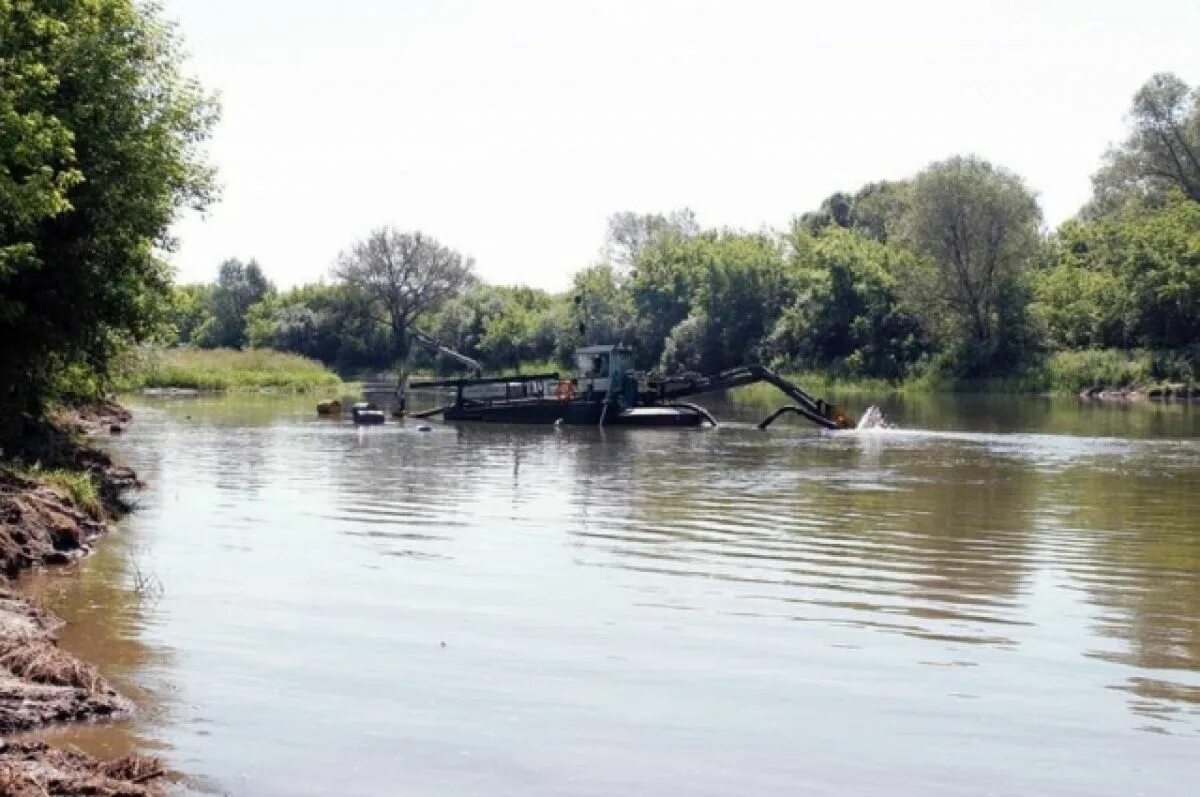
[816, 410]
[429, 342]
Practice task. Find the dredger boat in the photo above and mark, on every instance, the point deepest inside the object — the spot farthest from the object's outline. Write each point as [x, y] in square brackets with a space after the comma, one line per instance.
[607, 391]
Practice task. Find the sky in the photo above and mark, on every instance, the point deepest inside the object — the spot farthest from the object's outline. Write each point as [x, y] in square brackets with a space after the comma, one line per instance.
[512, 130]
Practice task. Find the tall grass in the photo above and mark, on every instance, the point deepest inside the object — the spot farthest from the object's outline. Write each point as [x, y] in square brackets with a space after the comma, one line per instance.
[1076, 370]
[77, 485]
[224, 369]
[1071, 372]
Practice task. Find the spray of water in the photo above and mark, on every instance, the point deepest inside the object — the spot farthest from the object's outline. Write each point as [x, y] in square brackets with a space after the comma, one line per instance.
[872, 419]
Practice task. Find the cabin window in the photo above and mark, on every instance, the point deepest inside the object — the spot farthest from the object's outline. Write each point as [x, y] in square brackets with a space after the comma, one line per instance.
[592, 366]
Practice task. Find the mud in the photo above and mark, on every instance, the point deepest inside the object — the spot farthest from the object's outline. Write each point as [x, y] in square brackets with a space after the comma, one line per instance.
[40, 684]
[32, 769]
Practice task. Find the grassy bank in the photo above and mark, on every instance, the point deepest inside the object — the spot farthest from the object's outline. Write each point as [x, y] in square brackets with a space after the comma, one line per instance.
[1065, 373]
[223, 369]
[1070, 372]
[77, 486]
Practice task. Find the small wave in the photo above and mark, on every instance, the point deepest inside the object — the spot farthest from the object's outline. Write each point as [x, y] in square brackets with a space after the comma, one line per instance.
[873, 418]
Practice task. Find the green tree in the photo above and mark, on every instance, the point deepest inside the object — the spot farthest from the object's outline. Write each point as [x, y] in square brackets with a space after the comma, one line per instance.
[189, 309]
[602, 311]
[1162, 152]
[662, 287]
[405, 274]
[239, 287]
[976, 228]
[101, 145]
[743, 288]
[1131, 278]
[332, 323]
[875, 211]
[847, 316]
[630, 233]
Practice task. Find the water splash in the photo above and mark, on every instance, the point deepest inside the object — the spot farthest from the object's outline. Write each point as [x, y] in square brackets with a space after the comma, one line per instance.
[873, 418]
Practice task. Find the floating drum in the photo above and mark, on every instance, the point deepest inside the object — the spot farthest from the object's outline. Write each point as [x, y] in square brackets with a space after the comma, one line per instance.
[367, 414]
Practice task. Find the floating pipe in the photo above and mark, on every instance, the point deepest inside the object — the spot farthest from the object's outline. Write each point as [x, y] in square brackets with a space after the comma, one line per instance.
[820, 420]
[696, 408]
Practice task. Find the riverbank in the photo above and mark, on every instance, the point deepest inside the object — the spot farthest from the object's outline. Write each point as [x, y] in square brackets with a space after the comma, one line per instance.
[221, 370]
[1101, 375]
[49, 516]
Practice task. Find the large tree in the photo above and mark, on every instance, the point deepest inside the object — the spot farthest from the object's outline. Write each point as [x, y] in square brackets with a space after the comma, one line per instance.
[239, 287]
[1163, 150]
[101, 145]
[976, 227]
[875, 211]
[629, 234]
[407, 274]
[847, 316]
[1130, 278]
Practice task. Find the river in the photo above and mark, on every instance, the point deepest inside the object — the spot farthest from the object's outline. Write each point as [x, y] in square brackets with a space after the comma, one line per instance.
[1001, 597]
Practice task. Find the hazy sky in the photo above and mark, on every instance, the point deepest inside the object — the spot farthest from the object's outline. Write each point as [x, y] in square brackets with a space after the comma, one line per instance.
[511, 130]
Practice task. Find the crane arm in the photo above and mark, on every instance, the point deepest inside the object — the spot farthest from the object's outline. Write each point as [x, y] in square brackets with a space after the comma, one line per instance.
[429, 342]
[816, 410]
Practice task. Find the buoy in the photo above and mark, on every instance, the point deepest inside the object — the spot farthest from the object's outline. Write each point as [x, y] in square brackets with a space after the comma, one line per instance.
[365, 413]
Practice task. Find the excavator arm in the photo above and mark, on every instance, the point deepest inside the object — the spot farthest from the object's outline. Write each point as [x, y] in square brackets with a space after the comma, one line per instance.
[816, 410]
[431, 343]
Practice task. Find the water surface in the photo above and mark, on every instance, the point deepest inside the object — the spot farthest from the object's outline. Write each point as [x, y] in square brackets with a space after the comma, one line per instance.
[1001, 598]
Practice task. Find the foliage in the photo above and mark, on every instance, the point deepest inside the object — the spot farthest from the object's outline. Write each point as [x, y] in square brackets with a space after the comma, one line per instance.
[1075, 370]
[77, 485]
[875, 210]
[943, 280]
[239, 287]
[975, 228]
[743, 285]
[707, 300]
[602, 310]
[684, 347]
[1127, 279]
[1162, 153]
[406, 274]
[335, 324]
[225, 369]
[847, 318]
[100, 146]
[629, 234]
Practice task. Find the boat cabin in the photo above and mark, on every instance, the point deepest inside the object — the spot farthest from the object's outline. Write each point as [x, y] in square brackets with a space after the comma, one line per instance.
[597, 366]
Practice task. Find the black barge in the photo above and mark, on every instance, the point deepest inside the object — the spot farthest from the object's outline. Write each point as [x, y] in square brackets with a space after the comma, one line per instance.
[606, 391]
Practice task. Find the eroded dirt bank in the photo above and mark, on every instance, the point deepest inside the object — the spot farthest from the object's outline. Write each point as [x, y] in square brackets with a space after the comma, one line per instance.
[39, 683]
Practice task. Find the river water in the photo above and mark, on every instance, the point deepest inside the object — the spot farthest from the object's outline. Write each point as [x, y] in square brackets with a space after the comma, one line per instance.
[1002, 597]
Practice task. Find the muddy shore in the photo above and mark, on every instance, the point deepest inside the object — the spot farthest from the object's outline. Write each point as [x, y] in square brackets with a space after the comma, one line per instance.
[40, 684]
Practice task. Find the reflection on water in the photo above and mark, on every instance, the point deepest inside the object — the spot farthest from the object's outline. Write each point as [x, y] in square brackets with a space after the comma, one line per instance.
[1001, 597]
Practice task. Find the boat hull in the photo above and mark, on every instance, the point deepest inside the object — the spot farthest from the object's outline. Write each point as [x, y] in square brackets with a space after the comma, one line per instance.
[574, 413]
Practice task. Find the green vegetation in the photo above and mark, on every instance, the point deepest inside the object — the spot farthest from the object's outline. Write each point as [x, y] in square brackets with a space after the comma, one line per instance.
[100, 146]
[77, 485]
[223, 369]
[944, 281]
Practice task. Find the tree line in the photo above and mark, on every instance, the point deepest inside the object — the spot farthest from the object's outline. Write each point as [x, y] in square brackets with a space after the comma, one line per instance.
[102, 145]
[948, 272]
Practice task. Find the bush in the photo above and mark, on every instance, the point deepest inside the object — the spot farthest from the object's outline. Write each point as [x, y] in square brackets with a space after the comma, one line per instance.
[1076, 370]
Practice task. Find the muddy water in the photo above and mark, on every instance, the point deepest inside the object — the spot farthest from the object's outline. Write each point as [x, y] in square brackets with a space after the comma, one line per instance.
[1002, 598]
